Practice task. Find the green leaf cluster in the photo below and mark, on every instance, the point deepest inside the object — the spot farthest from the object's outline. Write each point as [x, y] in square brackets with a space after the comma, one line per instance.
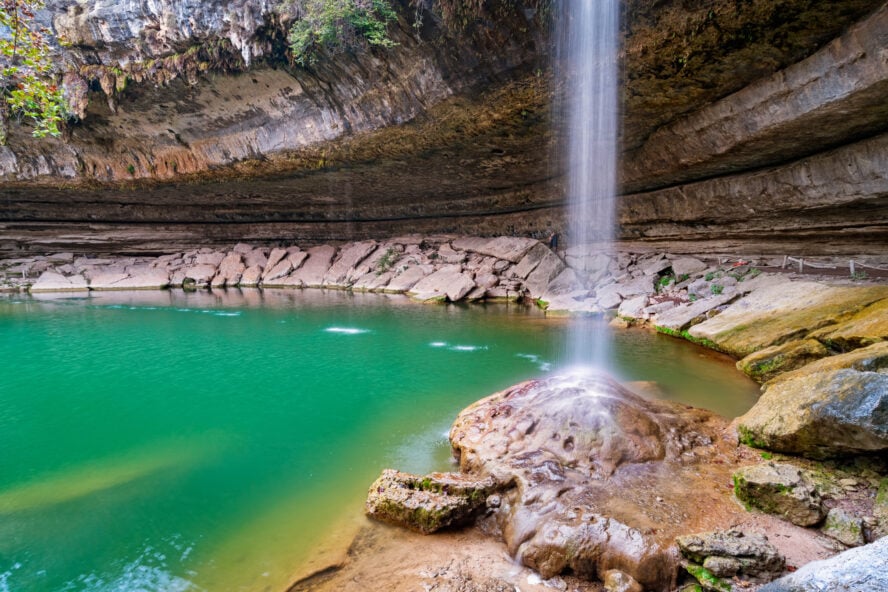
[27, 86]
[338, 25]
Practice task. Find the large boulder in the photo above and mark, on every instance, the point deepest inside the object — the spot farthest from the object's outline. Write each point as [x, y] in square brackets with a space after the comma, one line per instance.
[781, 489]
[230, 270]
[426, 504]
[509, 248]
[864, 569]
[448, 283]
[311, 273]
[680, 318]
[530, 261]
[349, 258]
[50, 281]
[821, 413]
[687, 266]
[199, 273]
[251, 277]
[407, 278]
[106, 280]
[548, 268]
[276, 256]
[845, 527]
[643, 285]
[135, 278]
[731, 554]
[600, 478]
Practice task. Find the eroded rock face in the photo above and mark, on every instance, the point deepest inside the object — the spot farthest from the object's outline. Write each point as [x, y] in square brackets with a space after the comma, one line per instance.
[192, 88]
[601, 477]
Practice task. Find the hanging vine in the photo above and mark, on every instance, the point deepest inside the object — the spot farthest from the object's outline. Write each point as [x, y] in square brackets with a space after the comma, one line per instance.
[28, 88]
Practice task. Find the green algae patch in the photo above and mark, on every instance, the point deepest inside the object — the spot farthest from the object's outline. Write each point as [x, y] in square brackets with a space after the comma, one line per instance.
[687, 336]
[768, 363]
[748, 438]
[707, 579]
[867, 359]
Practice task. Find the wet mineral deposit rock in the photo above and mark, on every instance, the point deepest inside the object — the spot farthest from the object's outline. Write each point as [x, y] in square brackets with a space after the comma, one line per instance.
[598, 477]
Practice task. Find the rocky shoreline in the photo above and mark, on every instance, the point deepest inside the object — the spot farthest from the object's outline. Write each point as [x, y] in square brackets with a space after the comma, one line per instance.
[805, 466]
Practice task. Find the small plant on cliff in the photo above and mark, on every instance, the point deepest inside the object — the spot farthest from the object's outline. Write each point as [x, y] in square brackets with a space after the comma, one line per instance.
[664, 282]
[337, 25]
[27, 88]
[387, 261]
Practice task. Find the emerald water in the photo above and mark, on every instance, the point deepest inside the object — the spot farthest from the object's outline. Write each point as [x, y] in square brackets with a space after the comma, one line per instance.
[167, 441]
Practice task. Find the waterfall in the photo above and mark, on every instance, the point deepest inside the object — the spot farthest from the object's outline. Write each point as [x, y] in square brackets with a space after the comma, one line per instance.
[586, 71]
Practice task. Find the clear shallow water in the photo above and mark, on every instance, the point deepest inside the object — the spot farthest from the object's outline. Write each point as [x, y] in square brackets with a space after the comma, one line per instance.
[167, 441]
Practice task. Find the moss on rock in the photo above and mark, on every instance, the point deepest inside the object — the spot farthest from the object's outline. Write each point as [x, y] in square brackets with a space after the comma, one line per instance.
[765, 364]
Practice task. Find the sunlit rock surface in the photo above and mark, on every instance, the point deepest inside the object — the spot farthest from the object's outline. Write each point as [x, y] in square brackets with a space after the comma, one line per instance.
[821, 414]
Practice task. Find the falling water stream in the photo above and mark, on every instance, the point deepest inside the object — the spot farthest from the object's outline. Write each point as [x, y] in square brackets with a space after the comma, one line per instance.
[586, 67]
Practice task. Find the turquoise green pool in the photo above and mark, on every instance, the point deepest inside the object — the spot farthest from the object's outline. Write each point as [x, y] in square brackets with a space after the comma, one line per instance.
[163, 441]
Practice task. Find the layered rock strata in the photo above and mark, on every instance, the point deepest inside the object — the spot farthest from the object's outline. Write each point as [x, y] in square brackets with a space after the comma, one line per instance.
[328, 151]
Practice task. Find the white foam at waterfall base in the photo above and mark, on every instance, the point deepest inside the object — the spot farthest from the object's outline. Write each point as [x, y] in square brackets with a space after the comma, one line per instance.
[543, 365]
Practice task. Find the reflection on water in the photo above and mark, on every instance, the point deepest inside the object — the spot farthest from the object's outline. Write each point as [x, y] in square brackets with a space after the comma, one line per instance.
[101, 474]
[158, 440]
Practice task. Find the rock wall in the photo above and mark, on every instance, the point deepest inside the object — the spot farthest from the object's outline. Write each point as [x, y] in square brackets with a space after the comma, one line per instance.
[743, 124]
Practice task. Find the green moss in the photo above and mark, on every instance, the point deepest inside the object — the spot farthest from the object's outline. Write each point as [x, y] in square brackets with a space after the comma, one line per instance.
[882, 495]
[686, 335]
[707, 578]
[739, 482]
[748, 438]
[664, 281]
[387, 261]
[759, 370]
